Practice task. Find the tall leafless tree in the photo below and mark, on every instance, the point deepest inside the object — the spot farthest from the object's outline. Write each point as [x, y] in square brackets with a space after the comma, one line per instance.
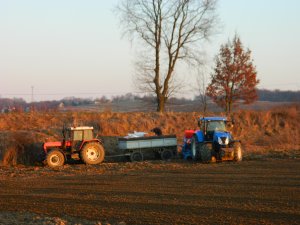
[170, 31]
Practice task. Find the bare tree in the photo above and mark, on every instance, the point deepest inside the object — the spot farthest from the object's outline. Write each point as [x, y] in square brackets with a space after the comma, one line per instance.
[170, 31]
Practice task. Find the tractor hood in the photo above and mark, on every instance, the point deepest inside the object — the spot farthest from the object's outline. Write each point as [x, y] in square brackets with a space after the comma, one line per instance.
[222, 137]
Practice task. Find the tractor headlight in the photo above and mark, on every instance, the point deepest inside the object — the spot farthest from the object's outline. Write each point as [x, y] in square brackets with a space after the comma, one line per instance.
[220, 141]
[227, 141]
[223, 140]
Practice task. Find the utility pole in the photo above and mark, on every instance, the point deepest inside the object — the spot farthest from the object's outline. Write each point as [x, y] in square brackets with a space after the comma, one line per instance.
[32, 99]
[32, 87]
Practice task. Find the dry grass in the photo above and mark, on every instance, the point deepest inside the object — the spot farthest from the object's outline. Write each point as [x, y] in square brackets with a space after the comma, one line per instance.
[20, 147]
[259, 131]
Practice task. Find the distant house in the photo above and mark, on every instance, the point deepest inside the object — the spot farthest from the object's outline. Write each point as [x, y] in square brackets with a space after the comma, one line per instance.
[27, 109]
[61, 105]
[8, 109]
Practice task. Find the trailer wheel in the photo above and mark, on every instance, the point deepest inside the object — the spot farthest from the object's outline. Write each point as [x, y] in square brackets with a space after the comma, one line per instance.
[157, 154]
[136, 157]
[166, 154]
[92, 153]
[195, 149]
[55, 158]
[238, 154]
[205, 153]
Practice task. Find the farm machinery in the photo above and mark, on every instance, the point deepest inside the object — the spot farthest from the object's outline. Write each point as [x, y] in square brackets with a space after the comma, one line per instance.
[77, 143]
[162, 146]
[212, 142]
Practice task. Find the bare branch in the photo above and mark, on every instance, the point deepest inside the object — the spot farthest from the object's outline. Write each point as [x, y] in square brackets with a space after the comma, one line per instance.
[171, 31]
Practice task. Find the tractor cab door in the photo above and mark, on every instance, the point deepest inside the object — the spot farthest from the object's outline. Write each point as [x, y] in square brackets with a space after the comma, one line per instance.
[209, 131]
[88, 135]
[79, 136]
[204, 127]
[77, 139]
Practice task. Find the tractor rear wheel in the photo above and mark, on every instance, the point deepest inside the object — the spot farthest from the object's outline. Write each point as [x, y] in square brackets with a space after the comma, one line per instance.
[92, 153]
[237, 152]
[195, 148]
[205, 153]
[55, 158]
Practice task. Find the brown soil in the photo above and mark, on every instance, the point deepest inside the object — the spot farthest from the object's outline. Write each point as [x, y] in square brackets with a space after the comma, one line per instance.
[250, 192]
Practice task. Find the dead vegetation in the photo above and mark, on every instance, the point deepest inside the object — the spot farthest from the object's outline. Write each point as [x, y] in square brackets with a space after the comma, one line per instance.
[20, 147]
[27, 218]
[262, 132]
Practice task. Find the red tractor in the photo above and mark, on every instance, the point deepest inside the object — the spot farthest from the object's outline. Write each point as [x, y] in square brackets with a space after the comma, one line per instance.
[77, 143]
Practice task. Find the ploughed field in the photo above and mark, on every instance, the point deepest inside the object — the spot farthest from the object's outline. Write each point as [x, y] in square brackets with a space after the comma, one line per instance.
[265, 191]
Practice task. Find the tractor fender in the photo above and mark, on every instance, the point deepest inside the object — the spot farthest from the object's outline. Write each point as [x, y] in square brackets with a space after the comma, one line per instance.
[50, 145]
[199, 135]
[90, 141]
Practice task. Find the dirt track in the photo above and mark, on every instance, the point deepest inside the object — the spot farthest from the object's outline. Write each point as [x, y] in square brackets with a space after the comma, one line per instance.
[251, 192]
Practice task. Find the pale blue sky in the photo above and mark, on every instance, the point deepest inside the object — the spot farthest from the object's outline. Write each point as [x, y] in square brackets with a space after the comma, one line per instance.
[72, 47]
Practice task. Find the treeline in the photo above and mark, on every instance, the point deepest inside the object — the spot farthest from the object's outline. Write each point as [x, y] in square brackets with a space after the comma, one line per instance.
[20, 105]
[278, 95]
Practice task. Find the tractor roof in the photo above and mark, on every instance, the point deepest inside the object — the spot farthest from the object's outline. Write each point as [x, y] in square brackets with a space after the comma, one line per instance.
[81, 128]
[213, 118]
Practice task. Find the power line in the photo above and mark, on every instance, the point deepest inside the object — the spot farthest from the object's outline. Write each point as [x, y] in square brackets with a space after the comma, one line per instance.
[32, 94]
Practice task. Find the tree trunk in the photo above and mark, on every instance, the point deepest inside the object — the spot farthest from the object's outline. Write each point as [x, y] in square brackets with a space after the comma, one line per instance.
[229, 108]
[161, 104]
[204, 107]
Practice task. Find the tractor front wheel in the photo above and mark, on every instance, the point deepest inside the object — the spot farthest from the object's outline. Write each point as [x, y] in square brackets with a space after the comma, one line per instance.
[238, 155]
[55, 158]
[92, 153]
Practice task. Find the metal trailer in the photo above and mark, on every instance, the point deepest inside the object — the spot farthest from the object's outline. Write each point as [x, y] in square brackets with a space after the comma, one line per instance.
[163, 147]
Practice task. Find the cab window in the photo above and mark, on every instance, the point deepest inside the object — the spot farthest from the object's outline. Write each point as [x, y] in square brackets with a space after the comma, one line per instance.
[78, 135]
[88, 135]
[216, 125]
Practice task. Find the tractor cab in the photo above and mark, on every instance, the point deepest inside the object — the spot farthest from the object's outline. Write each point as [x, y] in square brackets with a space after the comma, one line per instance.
[78, 133]
[74, 137]
[209, 125]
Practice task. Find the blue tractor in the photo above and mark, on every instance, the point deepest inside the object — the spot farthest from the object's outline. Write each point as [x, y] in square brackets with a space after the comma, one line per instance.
[213, 142]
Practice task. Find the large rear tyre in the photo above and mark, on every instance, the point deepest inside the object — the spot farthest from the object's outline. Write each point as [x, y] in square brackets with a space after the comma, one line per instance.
[166, 154]
[92, 153]
[195, 149]
[237, 152]
[205, 153]
[55, 159]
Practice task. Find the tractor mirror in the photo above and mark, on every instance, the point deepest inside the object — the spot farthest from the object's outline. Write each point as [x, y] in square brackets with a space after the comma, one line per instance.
[229, 124]
[63, 133]
[199, 123]
[232, 120]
